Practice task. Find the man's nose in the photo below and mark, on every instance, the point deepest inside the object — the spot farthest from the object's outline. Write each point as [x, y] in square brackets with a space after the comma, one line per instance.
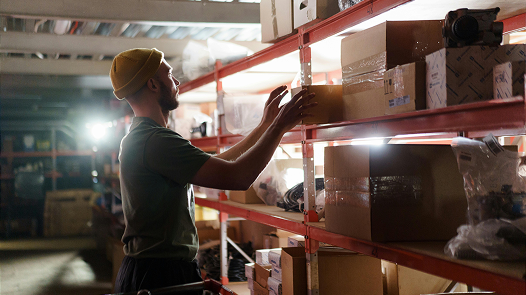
[177, 83]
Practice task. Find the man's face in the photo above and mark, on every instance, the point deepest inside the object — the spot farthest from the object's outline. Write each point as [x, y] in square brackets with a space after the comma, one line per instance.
[169, 88]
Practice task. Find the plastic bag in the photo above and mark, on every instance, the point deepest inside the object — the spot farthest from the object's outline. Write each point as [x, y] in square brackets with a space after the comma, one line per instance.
[270, 184]
[243, 112]
[495, 190]
[226, 52]
[344, 4]
[493, 239]
[493, 184]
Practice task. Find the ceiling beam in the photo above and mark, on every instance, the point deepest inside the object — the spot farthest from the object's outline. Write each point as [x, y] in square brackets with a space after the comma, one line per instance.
[96, 45]
[134, 10]
[53, 67]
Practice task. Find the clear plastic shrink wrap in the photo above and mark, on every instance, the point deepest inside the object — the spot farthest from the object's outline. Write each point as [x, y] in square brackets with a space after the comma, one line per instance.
[344, 4]
[495, 191]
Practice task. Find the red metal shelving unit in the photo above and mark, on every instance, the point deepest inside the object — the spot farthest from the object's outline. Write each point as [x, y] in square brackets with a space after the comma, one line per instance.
[502, 117]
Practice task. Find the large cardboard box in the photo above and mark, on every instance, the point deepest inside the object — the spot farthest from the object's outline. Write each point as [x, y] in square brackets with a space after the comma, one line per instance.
[277, 21]
[294, 271]
[340, 272]
[404, 88]
[329, 99]
[245, 197]
[401, 280]
[307, 11]
[508, 79]
[346, 273]
[388, 45]
[394, 192]
[363, 105]
[462, 75]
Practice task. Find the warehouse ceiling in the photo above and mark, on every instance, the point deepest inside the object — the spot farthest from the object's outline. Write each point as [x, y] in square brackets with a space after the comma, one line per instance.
[55, 55]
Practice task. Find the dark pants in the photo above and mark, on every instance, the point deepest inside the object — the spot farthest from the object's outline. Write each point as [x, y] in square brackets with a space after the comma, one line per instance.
[154, 273]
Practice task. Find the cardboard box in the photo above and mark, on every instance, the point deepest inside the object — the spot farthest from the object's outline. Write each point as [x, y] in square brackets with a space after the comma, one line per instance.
[307, 11]
[329, 99]
[262, 273]
[363, 82]
[245, 197]
[342, 272]
[363, 105]
[508, 79]
[390, 44]
[275, 286]
[260, 290]
[294, 270]
[423, 199]
[299, 241]
[276, 273]
[404, 88]
[462, 75]
[276, 19]
[406, 281]
[262, 255]
[249, 270]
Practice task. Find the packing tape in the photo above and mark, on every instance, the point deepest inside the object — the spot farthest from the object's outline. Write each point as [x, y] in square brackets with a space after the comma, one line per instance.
[364, 82]
[365, 65]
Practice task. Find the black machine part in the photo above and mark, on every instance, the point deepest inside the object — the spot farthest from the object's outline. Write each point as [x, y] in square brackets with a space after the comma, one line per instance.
[463, 27]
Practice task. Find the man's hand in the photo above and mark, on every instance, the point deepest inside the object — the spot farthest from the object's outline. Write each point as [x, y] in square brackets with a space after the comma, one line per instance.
[291, 113]
[272, 106]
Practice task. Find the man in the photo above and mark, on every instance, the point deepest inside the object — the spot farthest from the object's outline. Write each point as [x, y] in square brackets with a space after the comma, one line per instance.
[158, 168]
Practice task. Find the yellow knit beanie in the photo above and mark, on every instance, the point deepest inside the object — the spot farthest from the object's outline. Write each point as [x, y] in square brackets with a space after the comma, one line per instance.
[132, 68]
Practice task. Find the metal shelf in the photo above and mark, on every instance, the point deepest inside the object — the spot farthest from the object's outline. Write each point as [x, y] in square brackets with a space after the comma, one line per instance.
[501, 117]
[45, 154]
[505, 278]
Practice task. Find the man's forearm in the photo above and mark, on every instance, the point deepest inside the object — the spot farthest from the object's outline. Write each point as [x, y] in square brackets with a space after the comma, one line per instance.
[241, 147]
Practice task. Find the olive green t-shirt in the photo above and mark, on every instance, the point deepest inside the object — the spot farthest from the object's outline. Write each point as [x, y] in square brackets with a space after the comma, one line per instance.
[158, 202]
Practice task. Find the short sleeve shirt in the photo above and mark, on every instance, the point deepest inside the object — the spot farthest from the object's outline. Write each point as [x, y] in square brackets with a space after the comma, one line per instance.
[158, 201]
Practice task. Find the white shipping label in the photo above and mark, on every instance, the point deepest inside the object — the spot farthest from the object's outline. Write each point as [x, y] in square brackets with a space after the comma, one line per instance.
[399, 101]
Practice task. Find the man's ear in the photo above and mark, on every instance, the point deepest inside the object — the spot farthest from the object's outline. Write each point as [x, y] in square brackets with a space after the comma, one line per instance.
[153, 85]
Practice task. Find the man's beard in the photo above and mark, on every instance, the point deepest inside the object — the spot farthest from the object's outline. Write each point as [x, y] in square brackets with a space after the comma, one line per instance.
[167, 101]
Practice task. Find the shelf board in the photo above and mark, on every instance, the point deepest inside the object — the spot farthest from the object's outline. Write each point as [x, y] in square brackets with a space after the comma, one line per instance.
[269, 215]
[505, 278]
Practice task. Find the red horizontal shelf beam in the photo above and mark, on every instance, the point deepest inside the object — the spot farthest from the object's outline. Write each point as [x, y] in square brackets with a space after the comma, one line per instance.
[502, 285]
[207, 203]
[271, 220]
[45, 154]
[196, 83]
[515, 23]
[204, 141]
[492, 115]
[349, 17]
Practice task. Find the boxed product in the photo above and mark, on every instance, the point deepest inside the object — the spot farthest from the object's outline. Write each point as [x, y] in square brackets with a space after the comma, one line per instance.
[249, 270]
[276, 19]
[462, 75]
[508, 79]
[274, 285]
[402, 280]
[277, 239]
[276, 273]
[393, 192]
[274, 258]
[262, 255]
[329, 99]
[250, 284]
[262, 273]
[299, 241]
[404, 88]
[340, 272]
[307, 11]
[245, 197]
[388, 45]
[366, 104]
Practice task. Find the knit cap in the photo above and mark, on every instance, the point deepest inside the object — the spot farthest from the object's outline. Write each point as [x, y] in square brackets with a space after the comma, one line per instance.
[132, 68]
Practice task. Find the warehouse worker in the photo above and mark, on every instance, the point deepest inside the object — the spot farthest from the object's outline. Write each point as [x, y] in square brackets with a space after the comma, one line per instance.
[158, 168]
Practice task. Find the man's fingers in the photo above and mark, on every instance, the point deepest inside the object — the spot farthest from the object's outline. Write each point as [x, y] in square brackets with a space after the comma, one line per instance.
[298, 95]
[278, 98]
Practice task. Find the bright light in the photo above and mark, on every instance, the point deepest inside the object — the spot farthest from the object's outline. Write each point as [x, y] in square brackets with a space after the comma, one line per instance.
[368, 141]
[98, 131]
[94, 173]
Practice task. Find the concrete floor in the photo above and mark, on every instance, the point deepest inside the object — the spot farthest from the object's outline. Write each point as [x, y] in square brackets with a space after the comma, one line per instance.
[53, 266]
[59, 266]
